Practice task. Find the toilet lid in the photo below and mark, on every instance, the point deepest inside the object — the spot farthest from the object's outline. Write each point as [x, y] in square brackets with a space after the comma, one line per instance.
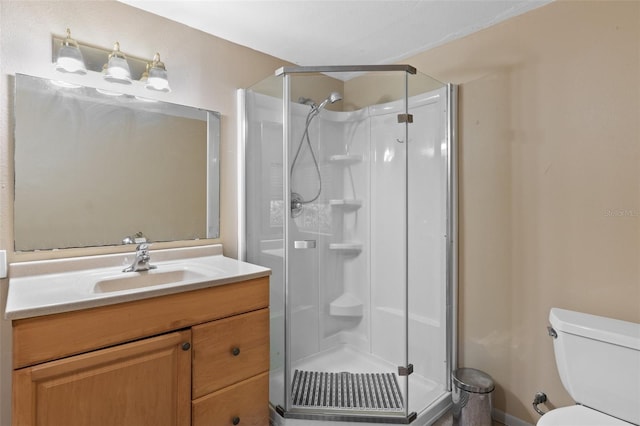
[578, 415]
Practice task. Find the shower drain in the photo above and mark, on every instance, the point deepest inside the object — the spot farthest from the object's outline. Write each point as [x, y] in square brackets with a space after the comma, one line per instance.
[347, 391]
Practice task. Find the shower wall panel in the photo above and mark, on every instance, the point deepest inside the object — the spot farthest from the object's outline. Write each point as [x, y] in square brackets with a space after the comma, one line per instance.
[346, 275]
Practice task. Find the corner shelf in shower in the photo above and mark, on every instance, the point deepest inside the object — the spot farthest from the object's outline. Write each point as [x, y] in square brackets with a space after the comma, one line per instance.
[346, 248]
[347, 305]
[346, 159]
[346, 205]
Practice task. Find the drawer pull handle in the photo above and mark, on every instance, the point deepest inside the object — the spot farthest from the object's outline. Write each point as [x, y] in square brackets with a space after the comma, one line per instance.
[186, 346]
[235, 420]
[235, 352]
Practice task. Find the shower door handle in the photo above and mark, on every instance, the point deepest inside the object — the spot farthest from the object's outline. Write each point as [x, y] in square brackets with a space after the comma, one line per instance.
[304, 244]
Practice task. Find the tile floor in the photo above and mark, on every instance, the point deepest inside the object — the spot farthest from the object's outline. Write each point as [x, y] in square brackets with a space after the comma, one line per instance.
[447, 420]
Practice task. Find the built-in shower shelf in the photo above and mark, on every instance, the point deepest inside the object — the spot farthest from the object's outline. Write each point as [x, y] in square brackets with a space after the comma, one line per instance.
[346, 248]
[347, 205]
[346, 159]
[346, 305]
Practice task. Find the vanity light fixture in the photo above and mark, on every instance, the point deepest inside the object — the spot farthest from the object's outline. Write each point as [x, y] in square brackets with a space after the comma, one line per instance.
[117, 68]
[141, 74]
[156, 75]
[70, 57]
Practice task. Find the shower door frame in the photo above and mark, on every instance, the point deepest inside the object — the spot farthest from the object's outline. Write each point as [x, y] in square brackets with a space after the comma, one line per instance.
[451, 232]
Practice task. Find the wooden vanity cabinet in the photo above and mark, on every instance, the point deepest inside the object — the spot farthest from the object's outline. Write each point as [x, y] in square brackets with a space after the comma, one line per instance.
[113, 386]
[193, 358]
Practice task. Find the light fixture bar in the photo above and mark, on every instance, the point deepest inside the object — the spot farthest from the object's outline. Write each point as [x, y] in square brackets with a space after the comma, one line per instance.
[114, 66]
[95, 57]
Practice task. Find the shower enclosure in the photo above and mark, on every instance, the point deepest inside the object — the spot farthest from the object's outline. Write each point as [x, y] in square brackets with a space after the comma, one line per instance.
[349, 197]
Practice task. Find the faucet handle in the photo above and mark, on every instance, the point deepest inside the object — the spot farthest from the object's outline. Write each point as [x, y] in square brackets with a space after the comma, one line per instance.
[137, 238]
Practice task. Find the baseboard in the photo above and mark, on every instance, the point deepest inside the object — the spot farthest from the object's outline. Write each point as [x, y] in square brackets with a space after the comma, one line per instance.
[508, 419]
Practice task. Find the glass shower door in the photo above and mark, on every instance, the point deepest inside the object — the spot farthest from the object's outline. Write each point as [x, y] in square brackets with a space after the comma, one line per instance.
[264, 209]
[346, 279]
[429, 242]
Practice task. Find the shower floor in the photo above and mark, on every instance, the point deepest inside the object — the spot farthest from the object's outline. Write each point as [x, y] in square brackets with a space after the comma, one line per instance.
[344, 391]
[422, 392]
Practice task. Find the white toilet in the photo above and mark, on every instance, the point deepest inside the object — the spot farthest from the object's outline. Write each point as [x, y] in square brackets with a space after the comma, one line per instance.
[598, 360]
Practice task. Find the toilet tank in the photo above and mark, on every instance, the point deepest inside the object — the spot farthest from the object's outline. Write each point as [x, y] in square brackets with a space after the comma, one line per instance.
[598, 360]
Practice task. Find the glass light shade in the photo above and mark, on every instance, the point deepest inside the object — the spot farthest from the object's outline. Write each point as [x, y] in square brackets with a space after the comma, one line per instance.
[117, 69]
[157, 80]
[70, 57]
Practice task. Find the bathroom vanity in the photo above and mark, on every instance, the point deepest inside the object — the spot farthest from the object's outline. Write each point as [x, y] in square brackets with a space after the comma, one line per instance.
[191, 352]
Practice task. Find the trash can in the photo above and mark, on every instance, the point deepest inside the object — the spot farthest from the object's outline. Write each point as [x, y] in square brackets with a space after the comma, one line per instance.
[472, 397]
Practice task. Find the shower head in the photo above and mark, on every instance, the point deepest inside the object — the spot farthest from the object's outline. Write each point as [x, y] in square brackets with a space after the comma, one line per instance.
[335, 97]
[332, 98]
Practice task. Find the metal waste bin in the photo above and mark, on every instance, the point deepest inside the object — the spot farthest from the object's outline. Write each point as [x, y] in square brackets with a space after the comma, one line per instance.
[472, 397]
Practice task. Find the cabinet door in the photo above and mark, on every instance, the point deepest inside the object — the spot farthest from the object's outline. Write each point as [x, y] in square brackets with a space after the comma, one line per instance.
[141, 383]
[229, 350]
[245, 404]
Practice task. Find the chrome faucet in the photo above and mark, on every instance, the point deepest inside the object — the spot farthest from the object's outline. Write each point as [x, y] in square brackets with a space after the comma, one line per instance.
[141, 262]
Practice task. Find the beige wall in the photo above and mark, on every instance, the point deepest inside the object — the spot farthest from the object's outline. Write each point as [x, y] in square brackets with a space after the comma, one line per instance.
[549, 161]
[549, 184]
[204, 72]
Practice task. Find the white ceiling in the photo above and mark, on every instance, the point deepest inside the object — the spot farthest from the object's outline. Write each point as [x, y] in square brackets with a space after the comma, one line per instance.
[339, 32]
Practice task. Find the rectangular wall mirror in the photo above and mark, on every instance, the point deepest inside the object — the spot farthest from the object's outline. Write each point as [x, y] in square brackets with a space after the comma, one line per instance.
[94, 167]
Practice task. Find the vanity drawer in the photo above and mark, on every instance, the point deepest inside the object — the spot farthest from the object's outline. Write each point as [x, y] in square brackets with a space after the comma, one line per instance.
[50, 337]
[244, 404]
[229, 350]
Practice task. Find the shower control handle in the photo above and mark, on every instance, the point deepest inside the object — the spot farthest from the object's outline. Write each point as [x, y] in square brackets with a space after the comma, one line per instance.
[304, 244]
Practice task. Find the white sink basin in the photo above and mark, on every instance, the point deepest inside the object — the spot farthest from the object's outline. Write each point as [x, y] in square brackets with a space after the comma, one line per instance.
[153, 277]
[62, 285]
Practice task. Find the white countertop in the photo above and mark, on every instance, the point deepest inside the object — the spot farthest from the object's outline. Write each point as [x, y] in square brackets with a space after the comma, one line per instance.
[61, 285]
